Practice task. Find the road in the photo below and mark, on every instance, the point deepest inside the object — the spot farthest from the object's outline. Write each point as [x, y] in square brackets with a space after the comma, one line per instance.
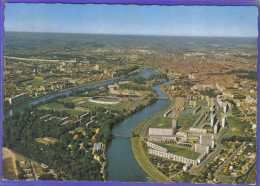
[103, 163]
[34, 171]
[210, 157]
[228, 160]
[217, 150]
[138, 101]
[31, 59]
[146, 125]
[246, 175]
[250, 171]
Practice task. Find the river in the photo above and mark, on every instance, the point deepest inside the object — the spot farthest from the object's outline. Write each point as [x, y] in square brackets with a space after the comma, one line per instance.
[20, 107]
[122, 165]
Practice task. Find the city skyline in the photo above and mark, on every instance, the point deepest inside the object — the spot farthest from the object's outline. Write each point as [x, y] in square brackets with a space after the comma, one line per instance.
[106, 19]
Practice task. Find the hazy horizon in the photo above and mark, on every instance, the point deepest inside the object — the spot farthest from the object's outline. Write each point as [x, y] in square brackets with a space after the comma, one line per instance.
[129, 34]
[208, 21]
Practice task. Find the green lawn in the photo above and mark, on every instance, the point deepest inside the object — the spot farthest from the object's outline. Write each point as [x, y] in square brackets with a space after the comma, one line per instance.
[35, 82]
[226, 179]
[123, 105]
[139, 127]
[235, 127]
[60, 107]
[50, 106]
[73, 112]
[84, 102]
[202, 103]
[95, 92]
[75, 100]
[161, 122]
[180, 151]
[145, 101]
[106, 99]
[118, 107]
[187, 118]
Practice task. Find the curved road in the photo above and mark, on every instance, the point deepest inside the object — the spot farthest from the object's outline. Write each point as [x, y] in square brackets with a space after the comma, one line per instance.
[146, 125]
[246, 174]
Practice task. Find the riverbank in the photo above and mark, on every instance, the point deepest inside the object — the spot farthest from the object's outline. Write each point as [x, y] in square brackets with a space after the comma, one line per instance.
[122, 164]
[138, 150]
[128, 114]
[144, 162]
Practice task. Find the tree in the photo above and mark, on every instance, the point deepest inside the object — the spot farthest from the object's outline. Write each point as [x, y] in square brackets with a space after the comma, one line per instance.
[47, 177]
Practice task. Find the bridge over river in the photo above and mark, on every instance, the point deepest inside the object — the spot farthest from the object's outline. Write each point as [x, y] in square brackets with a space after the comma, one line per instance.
[163, 98]
[122, 136]
[160, 97]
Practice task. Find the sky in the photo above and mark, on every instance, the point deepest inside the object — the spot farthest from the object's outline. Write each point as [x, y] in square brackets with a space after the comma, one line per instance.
[225, 21]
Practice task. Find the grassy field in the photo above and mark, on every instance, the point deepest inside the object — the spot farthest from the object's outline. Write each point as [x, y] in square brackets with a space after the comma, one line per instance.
[121, 106]
[236, 127]
[106, 99]
[162, 122]
[144, 162]
[74, 112]
[145, 101]
[50, 106]
[8, 169]
[76, 100]
[60, 107]
[180, 151]
[118, 107]
[202, 103]
[187, 118]
[35, 82]
[226, 179]
[8, 165]
[139, 127]
[84, 102]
